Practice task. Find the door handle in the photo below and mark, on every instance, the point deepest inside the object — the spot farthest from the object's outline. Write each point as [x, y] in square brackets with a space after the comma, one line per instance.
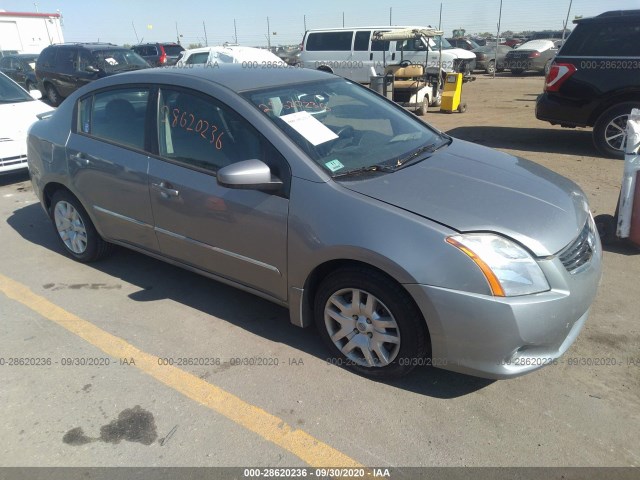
[393, 56]
[166, 189]
[80, 159]
[371, 56]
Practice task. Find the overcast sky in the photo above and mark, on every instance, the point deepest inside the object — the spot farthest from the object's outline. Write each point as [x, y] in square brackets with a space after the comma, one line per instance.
[120, 21]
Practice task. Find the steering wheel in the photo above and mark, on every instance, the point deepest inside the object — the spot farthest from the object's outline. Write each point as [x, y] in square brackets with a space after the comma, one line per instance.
[345, 132]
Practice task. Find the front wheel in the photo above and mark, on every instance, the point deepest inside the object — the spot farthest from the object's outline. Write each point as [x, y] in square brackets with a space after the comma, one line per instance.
[491, 68]
[75, 229]
[424, 107]
[609, 132]
[370, 323]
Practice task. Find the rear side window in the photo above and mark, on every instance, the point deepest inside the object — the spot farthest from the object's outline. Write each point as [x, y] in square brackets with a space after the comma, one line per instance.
[47, 57]
[329, 41]
[361, 43]
[603, 40]
[116, 115]
[173, 50]
[379, 45]
[197, 58]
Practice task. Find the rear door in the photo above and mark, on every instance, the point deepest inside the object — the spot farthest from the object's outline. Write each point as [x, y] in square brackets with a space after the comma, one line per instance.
[240, 235]
[108, 164]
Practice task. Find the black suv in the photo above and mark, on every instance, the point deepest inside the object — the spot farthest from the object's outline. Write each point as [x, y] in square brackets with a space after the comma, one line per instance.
[63, 68]
[159, 54]
[595, 79]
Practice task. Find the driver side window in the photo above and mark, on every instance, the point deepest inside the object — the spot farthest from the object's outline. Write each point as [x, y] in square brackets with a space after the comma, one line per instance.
[197, 131]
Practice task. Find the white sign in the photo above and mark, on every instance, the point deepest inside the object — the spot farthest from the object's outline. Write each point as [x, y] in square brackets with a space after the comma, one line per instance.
[309, 127]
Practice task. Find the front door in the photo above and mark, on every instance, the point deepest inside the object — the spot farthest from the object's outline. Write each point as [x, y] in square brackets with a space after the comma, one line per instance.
[240, 235]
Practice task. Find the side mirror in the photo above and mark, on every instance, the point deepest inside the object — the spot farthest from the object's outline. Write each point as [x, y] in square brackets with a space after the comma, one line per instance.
[91, 69]
[35, 94]
[248, 174]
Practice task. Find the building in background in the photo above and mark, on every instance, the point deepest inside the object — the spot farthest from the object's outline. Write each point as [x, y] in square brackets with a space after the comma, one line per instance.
[26, 32]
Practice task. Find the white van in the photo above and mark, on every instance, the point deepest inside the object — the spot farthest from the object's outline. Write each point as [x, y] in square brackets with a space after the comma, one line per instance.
[352, 52]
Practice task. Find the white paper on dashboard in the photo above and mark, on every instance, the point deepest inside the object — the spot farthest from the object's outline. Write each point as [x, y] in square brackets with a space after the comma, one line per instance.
[309, 127]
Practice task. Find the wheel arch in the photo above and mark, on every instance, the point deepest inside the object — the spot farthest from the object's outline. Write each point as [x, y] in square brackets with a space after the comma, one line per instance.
[325, 68]
[316, 276]
[612, 101]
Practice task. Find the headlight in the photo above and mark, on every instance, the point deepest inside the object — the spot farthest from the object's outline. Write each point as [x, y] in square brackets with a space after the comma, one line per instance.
[509, 269]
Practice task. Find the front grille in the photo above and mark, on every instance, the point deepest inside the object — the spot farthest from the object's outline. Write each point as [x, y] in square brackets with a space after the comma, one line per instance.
[580, 251]
[8, 161]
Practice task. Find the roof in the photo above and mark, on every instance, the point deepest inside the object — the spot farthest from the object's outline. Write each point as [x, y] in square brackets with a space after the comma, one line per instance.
[383, 27]
[238, 54]
[612, 16]
[89, 45]
[29, 14]
[232, 76]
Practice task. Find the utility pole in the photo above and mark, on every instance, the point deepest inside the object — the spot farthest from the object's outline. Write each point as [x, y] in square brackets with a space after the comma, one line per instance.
[566, 21]
[235, 31]
[390, 15]
[134, 31]
[177, 34]
[268, 34]
[342, 19]
[440, 21]
[495, 57]
[305, 23]
[206, 41]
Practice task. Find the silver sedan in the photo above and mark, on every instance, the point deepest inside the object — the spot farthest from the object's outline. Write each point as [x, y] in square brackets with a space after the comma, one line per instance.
[403, 245]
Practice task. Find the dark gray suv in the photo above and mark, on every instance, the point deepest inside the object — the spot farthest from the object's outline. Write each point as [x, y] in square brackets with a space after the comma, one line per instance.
[62, 69]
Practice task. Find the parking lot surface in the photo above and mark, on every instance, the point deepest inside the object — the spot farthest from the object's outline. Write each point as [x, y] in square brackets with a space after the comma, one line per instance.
[133, 362]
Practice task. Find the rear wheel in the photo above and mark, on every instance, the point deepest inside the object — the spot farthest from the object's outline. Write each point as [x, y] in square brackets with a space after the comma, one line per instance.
[369, 323]
[609, 132]
[53, 95]
[75, 229]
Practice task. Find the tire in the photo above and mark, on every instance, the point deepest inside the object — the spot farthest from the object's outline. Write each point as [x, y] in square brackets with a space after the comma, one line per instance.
[606, 225]
[491, 68]
[517, 71]
[75, 230]
[379, 297]
[609, 134]
[462, 108]
[53, 95]
[424, 107]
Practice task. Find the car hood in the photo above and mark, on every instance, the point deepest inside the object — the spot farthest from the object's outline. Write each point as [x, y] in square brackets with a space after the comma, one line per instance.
[15, 120]
[459, 52]
[471, 188]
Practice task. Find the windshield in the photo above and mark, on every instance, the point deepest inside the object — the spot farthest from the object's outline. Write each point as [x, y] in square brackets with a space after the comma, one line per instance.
[435, 43]
[344, 127]
[11, 92]
[113, 60]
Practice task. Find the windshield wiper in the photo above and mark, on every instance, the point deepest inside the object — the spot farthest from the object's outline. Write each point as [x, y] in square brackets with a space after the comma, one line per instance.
[367, 169]
[416, 155]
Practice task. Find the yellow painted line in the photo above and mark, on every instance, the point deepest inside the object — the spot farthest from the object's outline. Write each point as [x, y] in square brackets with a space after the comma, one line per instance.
[311, 450]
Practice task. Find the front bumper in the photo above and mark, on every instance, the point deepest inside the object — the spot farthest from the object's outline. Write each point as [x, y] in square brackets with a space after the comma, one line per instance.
[496, 337]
